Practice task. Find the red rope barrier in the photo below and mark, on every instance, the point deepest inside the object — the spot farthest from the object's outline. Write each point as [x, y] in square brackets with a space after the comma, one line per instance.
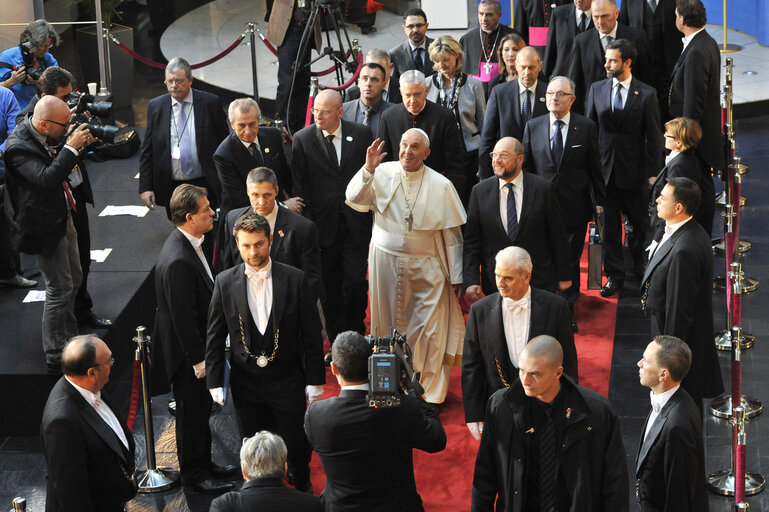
[349, 82]
[267, 44]
[739, 473]
[160, 65]
[308, 113]
[134, 397]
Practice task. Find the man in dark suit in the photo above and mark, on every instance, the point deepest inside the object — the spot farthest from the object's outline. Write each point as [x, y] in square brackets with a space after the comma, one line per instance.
[480, 44]
[589, 55]
[658, 21]
[670, 464]
[247, 147]
[89, 451]
[511, 105]
[677, 287]
[694, 86]
[538, 226]
[355, 441]
[630, 141]
[183, 286]
[369, 106]
[184, 128]
[263, 463]
[532, 19]
[412, 54]
[38, 207]
[295, 239]
[447, 149]
[566, 22]
[275, 335]
[391, 90]
[325, 156]
[498, 328]
[540, 440]
[563, 147]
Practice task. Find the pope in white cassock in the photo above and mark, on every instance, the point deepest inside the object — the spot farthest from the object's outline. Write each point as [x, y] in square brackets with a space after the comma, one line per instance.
[415, 256]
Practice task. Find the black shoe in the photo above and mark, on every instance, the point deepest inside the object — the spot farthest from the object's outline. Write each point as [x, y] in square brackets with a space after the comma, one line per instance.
[17, 281]
[574, 326]
[222, 472]
[90, 320]
[327, 358]
[211, 486]
[611, 287]
[367, 29]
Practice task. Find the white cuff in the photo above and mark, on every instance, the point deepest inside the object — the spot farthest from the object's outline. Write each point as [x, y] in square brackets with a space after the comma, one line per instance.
[217, 395]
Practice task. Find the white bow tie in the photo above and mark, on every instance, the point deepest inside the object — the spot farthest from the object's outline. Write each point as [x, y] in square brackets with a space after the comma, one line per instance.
[259, 275]
[656, 406]
[511, 305]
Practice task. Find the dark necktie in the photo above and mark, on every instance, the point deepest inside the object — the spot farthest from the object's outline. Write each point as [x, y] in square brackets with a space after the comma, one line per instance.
[418, 62]
[331, 150]
[557, 149]
[252, 148]
[512, 214]
[607, 41]
[526, 110]
[547, 463]
[618, 99]
[367, 113]
[582, 23]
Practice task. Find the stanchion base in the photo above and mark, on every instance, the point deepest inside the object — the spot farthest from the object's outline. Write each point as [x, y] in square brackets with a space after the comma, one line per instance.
[729, 48]
[743, 246]
[744, 168]
[158, 479]
[721, 200]
[721, 406]
[722, 482]
[748, 285]
[724, 340]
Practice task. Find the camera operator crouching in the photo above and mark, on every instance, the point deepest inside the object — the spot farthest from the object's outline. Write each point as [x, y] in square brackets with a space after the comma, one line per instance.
[366, 451]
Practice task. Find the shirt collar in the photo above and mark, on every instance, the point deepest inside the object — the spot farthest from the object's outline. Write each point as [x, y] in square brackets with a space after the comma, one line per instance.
[522, 87]
[579, 16]
[265, 270]
[42, 139]
[374, 108]
[337, 132]
[625, 83]
[565, 119]
[423, 45]
[90, 397]
[672, 228]
[272, 215]
[613, 33]
[196, 242]
[517, 181]
[188, 99]
[356, 387]
[248, 144]
[688, 39]
[658, 401]
[522, 302]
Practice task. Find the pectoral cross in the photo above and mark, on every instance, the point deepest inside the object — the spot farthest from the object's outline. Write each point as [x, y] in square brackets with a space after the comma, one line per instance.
[487, 67]
[410, 220]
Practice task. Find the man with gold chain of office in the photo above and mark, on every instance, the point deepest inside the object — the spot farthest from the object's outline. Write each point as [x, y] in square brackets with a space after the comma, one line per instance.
[415, 257]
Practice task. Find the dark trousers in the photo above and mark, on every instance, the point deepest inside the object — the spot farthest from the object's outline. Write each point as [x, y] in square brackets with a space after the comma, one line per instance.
[345, 297]
[8, 257]
[83, 302]
[632, 203]
[576, 218]
[287, 56]
[193, 433]
[265, 402]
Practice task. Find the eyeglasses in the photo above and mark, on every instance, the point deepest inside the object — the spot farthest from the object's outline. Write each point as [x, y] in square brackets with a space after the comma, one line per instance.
[45, 46]
[558, 94]
[323, 113]
[415, 25]
[110, 362]
[175, 81]
[503, 155]
[56, 122]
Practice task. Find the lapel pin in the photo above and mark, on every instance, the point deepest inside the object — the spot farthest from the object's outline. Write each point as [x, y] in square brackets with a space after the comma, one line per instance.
[280, 233]
[266, 150]
[542, 100]
[348, 138]
[568, 413]
[635, 92]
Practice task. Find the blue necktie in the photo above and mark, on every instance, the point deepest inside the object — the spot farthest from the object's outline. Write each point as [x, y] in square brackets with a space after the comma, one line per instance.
[185, 144]
[618, 99]
[418, 61]
[512, 216]
[557, 149]
[526, 110]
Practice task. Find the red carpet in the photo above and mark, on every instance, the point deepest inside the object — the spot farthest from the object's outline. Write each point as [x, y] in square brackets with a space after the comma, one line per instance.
[444, 479]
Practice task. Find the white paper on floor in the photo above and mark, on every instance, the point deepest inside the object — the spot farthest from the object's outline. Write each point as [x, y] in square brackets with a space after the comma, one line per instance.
[112, 210]
[35, 296]
[99, 255]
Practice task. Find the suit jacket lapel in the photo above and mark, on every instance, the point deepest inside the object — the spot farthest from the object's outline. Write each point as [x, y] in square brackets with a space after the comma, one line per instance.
[516, 105]
[497, 332]
[648, 441]
[528, 202]
[545, 138]
[277, 238]
[196, 261]
[347, 141]
[571, 132]
[537, 320]
[279, 287]
[663, 249]
[321, 141]
[491, 207]
[240, 293]
[200, 129]
[96, 422]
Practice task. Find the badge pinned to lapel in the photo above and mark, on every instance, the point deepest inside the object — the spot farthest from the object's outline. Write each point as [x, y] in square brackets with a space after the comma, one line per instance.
[266, 150]
[348, 138]
[542, 99]
[280, 233]
[635, 92]
[568, 413]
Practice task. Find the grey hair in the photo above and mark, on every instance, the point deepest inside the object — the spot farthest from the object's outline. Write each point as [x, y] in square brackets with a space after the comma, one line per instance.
[243, 105]
[421, 132]
[378, 54]
[571, 82]
[412, 76]
[491, 3]
[38, 32]
[178, 63]
[516, 256]
[263, 456]
[262, 174]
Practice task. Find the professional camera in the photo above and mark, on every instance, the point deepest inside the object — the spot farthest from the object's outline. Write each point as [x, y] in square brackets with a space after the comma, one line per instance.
[390, 371]
[82, 103]
[28, 51]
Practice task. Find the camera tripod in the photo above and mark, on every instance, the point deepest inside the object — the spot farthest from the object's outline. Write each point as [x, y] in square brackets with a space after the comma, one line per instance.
[344, 55]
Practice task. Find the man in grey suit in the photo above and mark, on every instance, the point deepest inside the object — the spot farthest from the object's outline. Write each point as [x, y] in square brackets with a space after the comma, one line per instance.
[413, 53]
[369, 106]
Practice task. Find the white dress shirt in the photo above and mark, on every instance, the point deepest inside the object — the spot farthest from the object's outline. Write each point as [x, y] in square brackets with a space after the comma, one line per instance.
[197, 244]
[189, 128]
[669, 230]
[579, 17]
[623, 92]
[260, 294]
[103, 410]
[515, 319]
[517, 192]
[658, 402]
[688, 39]
[564, 128]
[612, 34]
[522, 95]
[337, 142]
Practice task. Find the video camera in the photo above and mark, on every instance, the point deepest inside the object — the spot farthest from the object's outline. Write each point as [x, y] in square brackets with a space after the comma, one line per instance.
[28, 51]
[390, 371]
[83, 102]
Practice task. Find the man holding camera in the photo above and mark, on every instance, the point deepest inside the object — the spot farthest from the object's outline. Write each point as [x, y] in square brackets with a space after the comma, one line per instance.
[367, 452]
[28, 60]
[39, 205]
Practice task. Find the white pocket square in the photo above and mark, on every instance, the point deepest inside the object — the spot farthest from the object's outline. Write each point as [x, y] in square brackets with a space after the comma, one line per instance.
[577, 146]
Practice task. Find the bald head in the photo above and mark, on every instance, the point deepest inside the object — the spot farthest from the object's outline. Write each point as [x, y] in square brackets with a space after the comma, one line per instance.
[605, 14]
[328, 110]
[528, 65]
[51, 107]
[327, 96]
[546, 348]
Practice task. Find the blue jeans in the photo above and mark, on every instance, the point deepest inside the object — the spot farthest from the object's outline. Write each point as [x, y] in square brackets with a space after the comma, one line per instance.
[62, 275]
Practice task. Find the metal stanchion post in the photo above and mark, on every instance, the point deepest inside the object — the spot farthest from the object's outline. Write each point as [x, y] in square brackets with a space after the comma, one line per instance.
[103, 73]
[723, 482]
[153, 479]
[19, 504]
[722, 406]
[252, 35]
[728, 48]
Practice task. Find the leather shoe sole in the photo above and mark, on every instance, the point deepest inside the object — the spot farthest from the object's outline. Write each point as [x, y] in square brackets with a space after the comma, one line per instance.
[211, 486]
